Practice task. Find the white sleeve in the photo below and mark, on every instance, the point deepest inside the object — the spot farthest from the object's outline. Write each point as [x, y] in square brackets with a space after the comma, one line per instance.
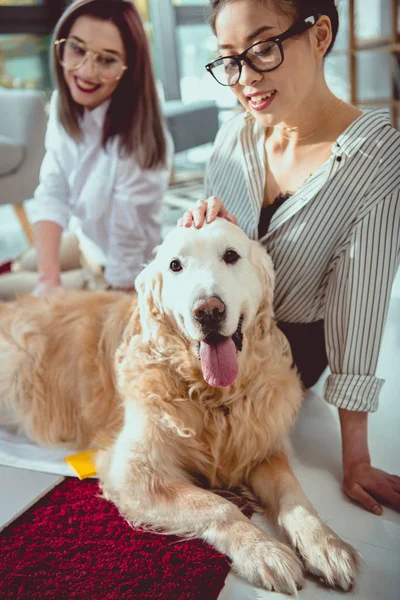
[357, 305]
[51, 197]
[135, 227]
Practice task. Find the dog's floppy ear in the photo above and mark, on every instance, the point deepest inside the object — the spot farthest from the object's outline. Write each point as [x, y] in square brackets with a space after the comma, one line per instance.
[264, 267]
[263, 264]
[149, 286]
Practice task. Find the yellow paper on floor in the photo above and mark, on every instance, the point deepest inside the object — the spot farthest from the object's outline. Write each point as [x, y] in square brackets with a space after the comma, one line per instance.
[83, 464]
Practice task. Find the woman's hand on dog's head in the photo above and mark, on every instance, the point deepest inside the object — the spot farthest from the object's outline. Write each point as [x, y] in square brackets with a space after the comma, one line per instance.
[206, 211]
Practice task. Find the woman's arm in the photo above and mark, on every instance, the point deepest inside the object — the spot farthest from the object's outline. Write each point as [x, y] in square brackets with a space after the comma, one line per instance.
[47, 243]
[225, 144]
[356, 308]
[362, 482]
[50, 210]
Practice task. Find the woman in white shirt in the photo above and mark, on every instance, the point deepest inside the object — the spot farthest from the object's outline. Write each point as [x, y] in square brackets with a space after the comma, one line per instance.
[108, 156]
[318, 182]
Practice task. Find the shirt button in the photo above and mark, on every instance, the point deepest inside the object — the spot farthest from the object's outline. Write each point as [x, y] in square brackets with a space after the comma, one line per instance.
[339, 158]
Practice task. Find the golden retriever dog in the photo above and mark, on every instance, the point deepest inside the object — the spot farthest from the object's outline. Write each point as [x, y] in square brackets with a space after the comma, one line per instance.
[186, 388]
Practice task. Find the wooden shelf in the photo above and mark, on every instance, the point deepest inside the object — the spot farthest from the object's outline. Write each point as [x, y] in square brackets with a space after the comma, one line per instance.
[379, 43]
[379, 102]
[348, 52]
[385, 48]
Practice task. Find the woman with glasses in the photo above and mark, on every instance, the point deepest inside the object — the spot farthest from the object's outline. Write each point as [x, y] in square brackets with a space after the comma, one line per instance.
[107, 158]
[317, 181]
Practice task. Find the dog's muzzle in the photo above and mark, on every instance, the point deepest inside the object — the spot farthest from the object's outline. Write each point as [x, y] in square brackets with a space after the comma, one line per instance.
[210, 314]
[217, 354]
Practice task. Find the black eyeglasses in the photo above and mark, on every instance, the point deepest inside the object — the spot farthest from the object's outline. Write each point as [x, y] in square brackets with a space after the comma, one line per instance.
[265, 56]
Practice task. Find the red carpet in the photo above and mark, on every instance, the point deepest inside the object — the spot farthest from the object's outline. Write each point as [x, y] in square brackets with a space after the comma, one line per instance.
[72, 544]
[5, 267]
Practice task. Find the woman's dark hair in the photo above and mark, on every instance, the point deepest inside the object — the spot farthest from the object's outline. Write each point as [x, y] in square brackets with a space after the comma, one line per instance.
[297, 9]
[134, 115]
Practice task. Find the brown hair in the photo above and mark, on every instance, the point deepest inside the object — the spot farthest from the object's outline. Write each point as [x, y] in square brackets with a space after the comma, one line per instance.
[297, 9]
[134, 114]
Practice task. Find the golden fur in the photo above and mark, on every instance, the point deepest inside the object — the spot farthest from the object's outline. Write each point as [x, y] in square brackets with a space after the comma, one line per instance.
[76, 370]
[57, 383]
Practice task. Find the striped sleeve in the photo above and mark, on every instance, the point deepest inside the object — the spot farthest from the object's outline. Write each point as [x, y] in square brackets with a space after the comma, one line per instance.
[356, 307]
[225, 175]
[216, 167]
[207, 184]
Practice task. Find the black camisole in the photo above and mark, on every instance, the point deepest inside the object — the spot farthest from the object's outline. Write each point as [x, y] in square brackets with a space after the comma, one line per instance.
[268, 211]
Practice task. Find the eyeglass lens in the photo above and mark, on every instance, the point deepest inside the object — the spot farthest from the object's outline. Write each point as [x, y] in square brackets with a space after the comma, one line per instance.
[72, 55]
[264, 56]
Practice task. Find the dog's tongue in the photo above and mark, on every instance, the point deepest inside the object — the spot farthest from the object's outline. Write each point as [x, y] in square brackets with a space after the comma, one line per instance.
[218, 362]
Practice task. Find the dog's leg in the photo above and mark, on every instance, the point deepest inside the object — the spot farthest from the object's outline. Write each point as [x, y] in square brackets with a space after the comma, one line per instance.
[181, 508]
[323, 552]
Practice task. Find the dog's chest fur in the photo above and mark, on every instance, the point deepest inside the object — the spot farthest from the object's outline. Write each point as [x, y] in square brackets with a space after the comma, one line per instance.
[223, 444]
[216, 435]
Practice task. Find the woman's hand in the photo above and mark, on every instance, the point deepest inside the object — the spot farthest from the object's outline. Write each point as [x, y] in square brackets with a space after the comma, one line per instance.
[47, 286]
[371, 487]
[206, 210]
[362, 482]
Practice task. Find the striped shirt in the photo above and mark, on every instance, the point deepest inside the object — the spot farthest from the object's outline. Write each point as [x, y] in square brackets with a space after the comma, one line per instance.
[335, 243]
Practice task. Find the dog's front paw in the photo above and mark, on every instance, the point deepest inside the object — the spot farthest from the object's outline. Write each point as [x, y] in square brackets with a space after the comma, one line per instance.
[328, 557]
[268, 564]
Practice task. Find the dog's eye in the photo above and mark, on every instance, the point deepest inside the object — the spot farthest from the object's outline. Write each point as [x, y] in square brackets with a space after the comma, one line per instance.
[231, 257]
[175, 265]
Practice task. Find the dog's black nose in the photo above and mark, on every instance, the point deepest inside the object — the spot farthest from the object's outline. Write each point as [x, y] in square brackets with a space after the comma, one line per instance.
[209, 313]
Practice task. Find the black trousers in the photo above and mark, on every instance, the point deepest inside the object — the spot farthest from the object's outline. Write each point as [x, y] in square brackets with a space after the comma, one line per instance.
[307, 341]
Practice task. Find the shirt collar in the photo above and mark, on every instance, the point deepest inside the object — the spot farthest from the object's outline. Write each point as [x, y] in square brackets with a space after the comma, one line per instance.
[97, 115]
[364, 127]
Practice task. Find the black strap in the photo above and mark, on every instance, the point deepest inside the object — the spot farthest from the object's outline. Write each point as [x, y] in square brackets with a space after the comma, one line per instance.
[267, 213]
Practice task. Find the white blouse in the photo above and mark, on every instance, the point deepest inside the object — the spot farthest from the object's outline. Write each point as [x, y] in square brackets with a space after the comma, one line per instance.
[112, 204]
[335, 243]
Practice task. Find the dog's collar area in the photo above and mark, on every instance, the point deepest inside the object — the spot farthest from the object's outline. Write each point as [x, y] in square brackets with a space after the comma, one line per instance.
[213, 338]
[238, 335]
[226, 411]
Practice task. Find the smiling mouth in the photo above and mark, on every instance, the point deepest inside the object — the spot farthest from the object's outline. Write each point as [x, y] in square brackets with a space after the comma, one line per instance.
[218, 357]
[85, 86]
[260, 99]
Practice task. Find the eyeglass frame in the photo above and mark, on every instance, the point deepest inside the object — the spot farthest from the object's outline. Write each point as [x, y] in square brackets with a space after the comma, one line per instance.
[95, 53]
[296, 29]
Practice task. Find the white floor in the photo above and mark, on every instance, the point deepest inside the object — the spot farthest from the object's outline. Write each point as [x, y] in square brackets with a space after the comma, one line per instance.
[317, 464]
[316, 460]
